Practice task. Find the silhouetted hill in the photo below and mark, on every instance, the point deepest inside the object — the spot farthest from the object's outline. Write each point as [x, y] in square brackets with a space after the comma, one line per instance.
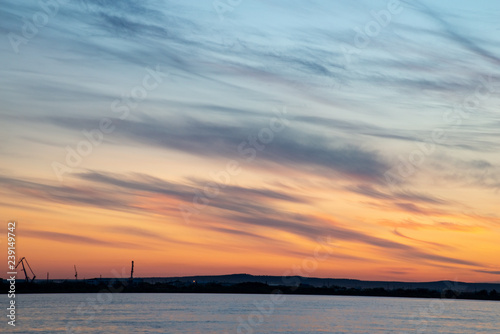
[249, 284]
[326, 282]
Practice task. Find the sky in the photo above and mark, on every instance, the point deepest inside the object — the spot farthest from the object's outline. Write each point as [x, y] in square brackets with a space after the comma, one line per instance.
[219, 137]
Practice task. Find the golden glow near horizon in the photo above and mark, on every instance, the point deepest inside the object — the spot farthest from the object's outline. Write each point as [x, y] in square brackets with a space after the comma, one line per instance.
[242, 147]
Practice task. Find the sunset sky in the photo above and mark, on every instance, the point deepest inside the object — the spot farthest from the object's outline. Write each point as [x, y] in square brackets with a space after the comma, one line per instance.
[218, 137]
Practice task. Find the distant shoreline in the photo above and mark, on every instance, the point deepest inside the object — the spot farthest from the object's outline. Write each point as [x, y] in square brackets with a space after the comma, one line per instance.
[131, 286]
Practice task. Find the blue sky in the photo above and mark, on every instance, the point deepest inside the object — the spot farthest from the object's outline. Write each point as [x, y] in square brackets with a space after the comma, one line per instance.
[400, 113]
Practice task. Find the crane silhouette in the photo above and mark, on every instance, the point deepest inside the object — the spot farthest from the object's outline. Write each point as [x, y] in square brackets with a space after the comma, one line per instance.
[21, 262]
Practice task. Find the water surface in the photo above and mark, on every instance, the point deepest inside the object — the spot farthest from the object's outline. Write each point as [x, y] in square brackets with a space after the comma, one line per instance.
[226, 313]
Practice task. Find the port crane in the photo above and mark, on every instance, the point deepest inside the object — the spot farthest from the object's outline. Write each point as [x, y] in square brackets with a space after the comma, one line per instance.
[76, 274]
[22, 262]
[131, 279]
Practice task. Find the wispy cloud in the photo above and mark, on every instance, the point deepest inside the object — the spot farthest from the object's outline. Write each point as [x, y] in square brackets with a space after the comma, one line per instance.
[78, 239]
[351, 118]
